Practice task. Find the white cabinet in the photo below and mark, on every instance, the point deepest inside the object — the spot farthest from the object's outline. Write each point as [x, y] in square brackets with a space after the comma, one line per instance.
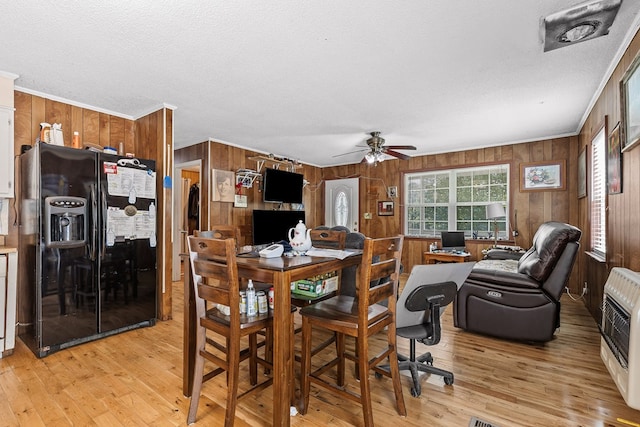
[8, 283]
[6, 152]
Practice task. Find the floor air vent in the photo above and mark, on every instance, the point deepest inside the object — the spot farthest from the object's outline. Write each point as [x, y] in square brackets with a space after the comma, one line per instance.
[476, 422]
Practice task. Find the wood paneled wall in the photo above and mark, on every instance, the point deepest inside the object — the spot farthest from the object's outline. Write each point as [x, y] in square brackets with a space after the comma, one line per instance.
[623, 221]
[215, 155]
[154, 137]
[98, 128]
[533, 208]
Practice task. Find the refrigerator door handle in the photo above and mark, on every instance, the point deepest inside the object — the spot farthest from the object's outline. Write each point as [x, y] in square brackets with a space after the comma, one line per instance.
[104, 228]
[94, 224]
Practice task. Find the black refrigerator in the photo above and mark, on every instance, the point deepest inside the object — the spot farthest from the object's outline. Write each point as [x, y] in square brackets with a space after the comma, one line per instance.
[87, 246]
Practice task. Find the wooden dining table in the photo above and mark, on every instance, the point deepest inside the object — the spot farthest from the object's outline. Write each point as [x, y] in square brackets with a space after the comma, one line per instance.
[280, 272]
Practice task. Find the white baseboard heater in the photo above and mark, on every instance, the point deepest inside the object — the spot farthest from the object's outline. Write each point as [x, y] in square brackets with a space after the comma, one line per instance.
[620, 332]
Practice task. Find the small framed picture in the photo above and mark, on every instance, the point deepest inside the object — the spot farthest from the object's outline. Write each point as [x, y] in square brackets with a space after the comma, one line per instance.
[630, 106]
[385, 208]
[614, 162]
[392, 192]
[542, 176]
[222, 186]
[240, 201]
[582, 174]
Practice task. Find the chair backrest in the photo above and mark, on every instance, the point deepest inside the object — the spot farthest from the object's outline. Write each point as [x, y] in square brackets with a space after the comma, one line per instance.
[426, 282]
[354, 240]
[551, 241]
[381, 265]
[328, 239]
[220, 232]
[215, 273]
[548, 244]
[430, 299]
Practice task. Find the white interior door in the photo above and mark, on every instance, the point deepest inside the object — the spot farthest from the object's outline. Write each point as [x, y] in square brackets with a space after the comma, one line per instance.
[341, 203]
[179, 224]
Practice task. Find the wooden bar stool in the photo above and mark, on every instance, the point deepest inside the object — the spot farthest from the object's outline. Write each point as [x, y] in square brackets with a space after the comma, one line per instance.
[360, 317]
[214, 265]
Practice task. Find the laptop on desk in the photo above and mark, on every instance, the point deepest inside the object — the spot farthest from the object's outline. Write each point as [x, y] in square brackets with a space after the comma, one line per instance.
[429, 274]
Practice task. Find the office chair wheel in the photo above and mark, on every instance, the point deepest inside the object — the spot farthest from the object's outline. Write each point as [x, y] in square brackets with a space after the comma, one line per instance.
[416, 392]
[378, 375]
[448, 379]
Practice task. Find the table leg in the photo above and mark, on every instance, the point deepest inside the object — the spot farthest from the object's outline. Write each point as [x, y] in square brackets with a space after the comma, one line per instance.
[189, 331]
[283, 386]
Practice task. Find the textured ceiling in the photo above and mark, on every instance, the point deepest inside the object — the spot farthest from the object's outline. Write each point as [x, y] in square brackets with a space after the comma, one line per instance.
[309, 79]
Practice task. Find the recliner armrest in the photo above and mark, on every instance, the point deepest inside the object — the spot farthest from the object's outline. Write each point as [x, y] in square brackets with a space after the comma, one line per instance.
[502, 278]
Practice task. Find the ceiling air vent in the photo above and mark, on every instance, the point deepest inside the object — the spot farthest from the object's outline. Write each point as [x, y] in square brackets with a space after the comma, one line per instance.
[583, 22]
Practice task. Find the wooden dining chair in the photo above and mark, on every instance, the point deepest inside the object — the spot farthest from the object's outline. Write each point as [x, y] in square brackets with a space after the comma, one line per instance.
[220, 232]
[225, 231]
[361, 317]
[325, 239]
[328, 239]
[216, 272]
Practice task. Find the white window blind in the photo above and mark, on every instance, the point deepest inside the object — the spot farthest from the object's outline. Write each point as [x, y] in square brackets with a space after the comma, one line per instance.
[598, 195]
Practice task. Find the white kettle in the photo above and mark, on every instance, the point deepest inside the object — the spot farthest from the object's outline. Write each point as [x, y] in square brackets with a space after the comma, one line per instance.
[300, 238]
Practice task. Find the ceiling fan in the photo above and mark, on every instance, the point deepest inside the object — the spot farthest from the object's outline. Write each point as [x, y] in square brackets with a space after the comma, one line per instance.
[377, 150]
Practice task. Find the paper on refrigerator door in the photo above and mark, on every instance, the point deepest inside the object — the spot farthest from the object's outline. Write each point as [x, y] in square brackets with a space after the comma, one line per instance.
[142, 225]
[123, 181]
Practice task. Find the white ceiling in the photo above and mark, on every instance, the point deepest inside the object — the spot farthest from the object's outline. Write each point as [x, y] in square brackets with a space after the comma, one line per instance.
[308, 79]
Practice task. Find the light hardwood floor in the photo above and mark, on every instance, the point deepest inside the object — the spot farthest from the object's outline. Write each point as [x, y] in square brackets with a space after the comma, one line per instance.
[135, 379]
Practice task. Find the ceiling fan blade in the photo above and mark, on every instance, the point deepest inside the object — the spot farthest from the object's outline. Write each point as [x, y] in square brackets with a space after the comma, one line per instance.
[396, 154]
[401, 147]
[350, 152]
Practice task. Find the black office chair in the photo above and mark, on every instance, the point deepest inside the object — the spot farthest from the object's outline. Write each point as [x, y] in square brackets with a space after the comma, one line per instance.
[429, 289]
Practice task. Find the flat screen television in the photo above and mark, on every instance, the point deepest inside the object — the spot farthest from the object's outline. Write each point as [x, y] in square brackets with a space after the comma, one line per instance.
[271, 226]
[452, 241]
[281, 186]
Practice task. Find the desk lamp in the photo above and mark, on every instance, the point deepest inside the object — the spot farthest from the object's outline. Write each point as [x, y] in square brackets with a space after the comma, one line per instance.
[495, 211]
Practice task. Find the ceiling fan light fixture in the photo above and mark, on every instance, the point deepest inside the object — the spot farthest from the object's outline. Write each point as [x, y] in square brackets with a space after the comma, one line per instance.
[379, 157]
[370, 158]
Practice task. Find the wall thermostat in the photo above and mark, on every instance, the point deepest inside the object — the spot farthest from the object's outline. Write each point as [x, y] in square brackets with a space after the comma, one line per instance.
[272, 251]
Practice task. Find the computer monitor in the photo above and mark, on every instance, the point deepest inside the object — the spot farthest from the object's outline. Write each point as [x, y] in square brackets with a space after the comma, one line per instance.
[452, 241]
[271, 226]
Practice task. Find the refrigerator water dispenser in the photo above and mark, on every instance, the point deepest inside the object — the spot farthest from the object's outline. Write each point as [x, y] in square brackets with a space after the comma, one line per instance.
[66, 222]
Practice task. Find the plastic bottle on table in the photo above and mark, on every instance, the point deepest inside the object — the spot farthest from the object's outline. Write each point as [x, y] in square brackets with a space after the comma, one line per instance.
[252, 302]
[76, 139]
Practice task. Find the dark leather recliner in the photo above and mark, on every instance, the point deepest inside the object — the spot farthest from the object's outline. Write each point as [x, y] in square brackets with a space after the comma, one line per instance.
[524, 304]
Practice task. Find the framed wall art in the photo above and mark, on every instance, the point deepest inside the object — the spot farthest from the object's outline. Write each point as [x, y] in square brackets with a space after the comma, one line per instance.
[543, 176]
[582, 173]
[630, 106]
[222, 186]
[385, 208]
[614, 162]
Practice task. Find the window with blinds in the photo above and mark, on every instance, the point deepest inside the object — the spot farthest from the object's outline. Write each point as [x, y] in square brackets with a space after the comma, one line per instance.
[598, 194]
